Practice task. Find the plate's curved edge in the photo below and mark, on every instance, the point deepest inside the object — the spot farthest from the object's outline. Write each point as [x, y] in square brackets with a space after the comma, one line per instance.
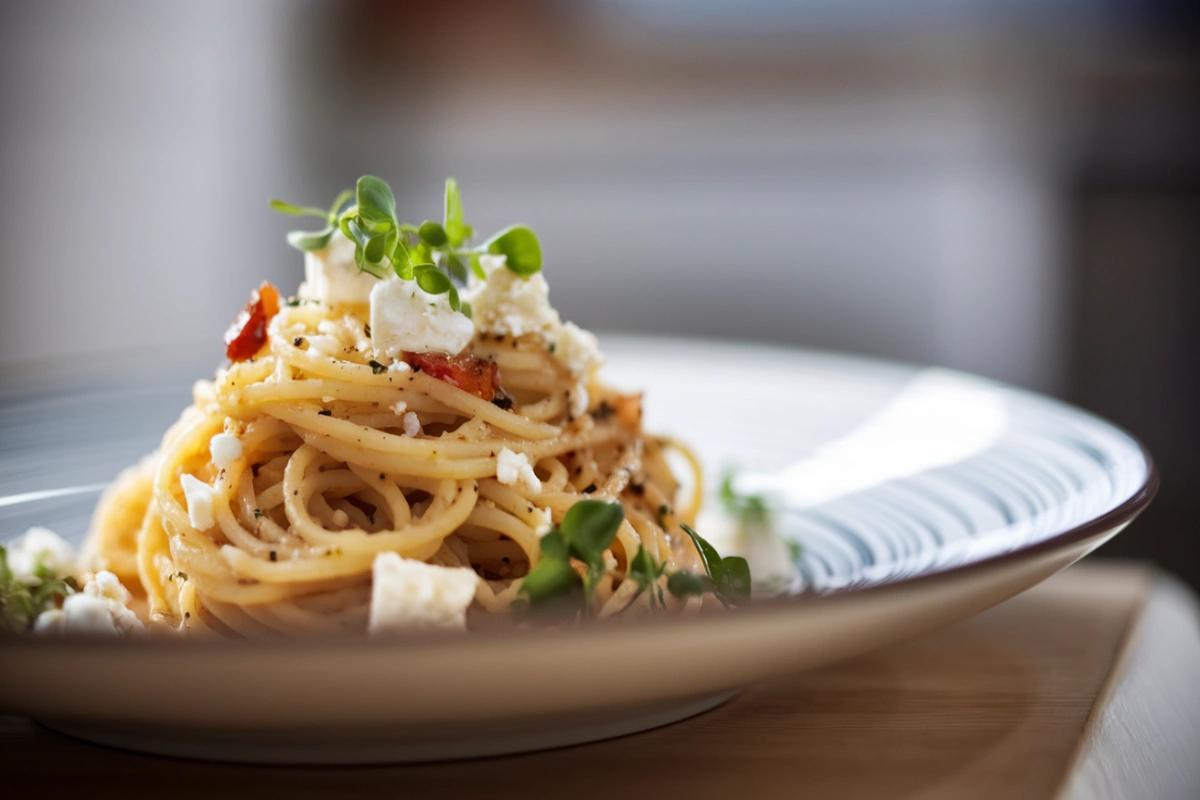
[412, 746]
[1110, 521]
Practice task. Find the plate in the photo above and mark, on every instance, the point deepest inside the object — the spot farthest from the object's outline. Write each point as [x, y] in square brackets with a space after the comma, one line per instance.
[918, 498]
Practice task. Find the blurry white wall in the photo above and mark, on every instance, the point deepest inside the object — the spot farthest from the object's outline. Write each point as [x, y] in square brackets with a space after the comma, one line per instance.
[138, 143]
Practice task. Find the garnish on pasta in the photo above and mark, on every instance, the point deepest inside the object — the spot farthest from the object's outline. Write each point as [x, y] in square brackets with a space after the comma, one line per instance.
[417, 440]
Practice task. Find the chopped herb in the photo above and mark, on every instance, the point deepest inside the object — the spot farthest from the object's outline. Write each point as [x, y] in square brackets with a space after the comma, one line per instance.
[748, 508]
[591, 487]
[376, 367]
[21, 603]
[729, 577]
[645, 572]
[258, 512]
[586, 532]
[182, 575]
[434, 254]
[553, 346]
[663, 511]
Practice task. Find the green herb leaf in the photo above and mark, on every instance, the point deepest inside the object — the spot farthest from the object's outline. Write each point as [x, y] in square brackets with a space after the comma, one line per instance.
[20, 603]
[748, 508]
[590, 526]
[376, 367]
[520, 247]
[309, 241]
[730, 577]
[343, 196]
[553, 579]
[642, 568]
[455, 303]
[708, 554]
[456, 230]
[683, 584]
[432, 233]
[735, 580]
[455, 266]
[554, 545]
[376, 203]
[466, 310]
[477, 268]
[374, 250]
[284, 207]
[432, 279]
[587, 530]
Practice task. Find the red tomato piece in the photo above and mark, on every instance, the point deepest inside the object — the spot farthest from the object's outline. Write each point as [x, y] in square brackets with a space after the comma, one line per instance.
[248, 333]
[480, 378]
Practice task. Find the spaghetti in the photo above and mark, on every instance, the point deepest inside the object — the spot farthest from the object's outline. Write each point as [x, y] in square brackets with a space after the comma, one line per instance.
[337, 458]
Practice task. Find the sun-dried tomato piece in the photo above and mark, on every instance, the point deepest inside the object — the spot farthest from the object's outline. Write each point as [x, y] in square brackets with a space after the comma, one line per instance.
[475, 375]
[248, 333]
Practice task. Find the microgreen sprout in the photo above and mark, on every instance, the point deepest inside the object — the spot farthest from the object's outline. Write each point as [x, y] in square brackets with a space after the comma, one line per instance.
[20, 603]
[434, 254]
[728, 578]
[573, 562]
[750, 509]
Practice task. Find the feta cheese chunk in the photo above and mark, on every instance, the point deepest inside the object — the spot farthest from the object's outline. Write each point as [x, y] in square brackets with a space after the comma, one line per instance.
[578, 349]
[412, 424]
[411, 595]
[44, 547]
[225, 449]
[513, 468]
[200, 499]
[100, 609]
[406, 317]
[332, 277]
[509, 305]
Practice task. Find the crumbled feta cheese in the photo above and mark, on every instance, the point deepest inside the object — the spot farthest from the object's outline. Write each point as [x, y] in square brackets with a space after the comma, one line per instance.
[544, 522]
[411, 595]
[200, 499]
[399, 407]
[513, 468]
[578, 349]
[44, 547]
[579, 400]
[83, 613]
[490, 262]
[412, 425]
[101, 608]
[509, 305]
[332, 277]
[49, 622]
[225, 449]
[106, 586]
[327, 399]
[406, 317]
[340, 518]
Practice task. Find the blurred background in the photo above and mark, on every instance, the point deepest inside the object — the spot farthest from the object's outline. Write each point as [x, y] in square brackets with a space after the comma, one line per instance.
[1010, 188]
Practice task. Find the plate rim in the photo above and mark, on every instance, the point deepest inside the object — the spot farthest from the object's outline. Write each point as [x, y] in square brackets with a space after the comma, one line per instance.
[1112, 520]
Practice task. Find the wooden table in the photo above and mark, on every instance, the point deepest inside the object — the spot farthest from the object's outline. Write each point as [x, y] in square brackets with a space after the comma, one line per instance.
[1085, 687]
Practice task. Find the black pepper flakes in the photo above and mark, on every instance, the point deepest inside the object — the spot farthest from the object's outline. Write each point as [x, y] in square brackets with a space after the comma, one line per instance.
[325, 413]
[273, 556]
[298, 341]
[591, 487]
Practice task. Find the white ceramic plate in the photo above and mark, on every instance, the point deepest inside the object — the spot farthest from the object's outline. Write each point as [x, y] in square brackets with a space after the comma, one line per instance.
[919, 497]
